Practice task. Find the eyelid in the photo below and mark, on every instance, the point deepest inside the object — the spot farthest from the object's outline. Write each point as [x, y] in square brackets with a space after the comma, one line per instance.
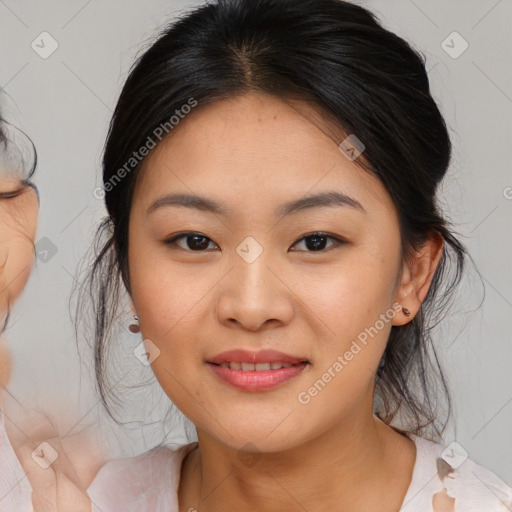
[10, 194]
[22, 187]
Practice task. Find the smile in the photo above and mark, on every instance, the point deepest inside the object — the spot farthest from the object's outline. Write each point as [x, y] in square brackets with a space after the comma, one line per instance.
[259, 367]
[256, 376]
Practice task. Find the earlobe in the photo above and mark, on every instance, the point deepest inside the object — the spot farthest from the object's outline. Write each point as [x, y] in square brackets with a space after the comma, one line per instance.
[417, 275]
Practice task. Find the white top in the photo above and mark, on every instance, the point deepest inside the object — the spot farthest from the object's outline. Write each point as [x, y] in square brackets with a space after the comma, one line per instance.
[15, 489]
[440, 479]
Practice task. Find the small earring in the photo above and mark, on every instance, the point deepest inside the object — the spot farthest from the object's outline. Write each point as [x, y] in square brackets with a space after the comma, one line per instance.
[134, 327]
[405, 311]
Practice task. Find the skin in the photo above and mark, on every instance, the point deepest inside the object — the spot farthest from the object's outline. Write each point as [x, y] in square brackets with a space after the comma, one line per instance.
[18, 220]
[60, 487]
[18, 223]
[252, 154]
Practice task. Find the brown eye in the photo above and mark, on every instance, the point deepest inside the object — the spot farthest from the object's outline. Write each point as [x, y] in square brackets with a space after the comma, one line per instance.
[196, 242]
[316, 242]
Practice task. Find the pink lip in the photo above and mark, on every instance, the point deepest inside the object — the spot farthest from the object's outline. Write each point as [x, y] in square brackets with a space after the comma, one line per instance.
[255, 380]
[263, 356]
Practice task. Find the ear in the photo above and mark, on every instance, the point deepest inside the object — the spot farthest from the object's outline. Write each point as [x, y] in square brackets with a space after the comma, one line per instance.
[417, 274]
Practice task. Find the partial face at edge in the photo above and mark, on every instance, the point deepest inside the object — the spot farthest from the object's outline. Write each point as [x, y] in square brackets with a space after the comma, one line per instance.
[198, 297]
[19, 209]
[18, 223]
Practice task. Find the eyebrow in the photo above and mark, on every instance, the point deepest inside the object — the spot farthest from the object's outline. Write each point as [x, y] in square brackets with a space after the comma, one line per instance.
[320, 200]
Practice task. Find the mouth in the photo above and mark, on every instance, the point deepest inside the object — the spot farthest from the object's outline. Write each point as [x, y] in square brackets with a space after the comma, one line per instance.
[246, 358]
[256, 371]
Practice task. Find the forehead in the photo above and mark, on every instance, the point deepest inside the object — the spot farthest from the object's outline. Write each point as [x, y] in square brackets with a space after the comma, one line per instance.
[255, 148]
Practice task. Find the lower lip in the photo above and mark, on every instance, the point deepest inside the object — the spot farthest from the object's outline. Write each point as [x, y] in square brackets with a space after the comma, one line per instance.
[254, 380]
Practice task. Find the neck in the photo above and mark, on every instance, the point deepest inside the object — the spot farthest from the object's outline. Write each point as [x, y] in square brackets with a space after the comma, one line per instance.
[352, 463]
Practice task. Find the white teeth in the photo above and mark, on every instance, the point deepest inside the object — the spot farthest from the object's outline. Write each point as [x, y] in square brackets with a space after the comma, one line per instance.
[259, 367]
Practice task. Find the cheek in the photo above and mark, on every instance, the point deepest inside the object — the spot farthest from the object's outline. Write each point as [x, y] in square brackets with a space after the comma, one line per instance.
[172, 332]
[172, 304]
[352, 294]
[16, 259]
[354, 304]
[168, 297]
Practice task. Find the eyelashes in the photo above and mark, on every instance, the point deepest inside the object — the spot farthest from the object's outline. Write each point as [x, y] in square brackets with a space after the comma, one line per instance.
[201, 241]
[173, 241]
[11, 194]
[319, 235]
[22, 187]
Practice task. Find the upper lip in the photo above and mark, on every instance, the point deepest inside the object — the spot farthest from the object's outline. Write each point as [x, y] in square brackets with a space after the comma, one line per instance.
[262, 356]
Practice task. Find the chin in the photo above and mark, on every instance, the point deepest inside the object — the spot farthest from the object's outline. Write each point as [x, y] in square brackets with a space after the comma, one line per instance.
[249, 439]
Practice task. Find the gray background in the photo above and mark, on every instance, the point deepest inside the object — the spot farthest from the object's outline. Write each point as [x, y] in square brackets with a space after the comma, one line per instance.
[65, 102]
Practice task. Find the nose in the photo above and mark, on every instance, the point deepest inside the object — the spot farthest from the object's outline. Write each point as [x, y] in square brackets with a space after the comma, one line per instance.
[254, 295]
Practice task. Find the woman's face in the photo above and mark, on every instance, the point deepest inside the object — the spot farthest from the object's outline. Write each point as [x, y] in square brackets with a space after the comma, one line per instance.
[251, 281]
[18, 223]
